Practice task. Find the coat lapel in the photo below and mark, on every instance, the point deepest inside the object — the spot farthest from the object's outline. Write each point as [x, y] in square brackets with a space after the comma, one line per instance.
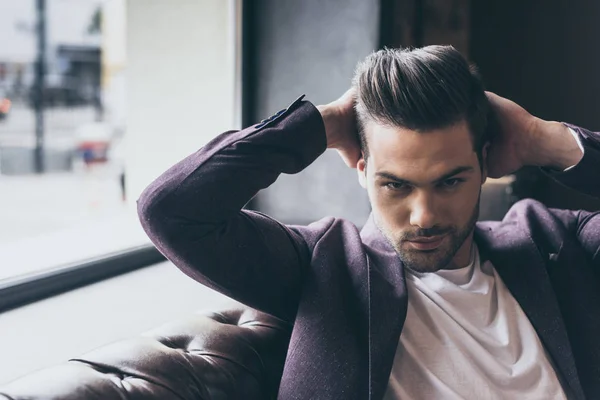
[518, 262]
[521, 266]
[388, 302]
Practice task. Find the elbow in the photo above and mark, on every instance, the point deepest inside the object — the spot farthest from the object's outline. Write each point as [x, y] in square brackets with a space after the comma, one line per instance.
[162, 217]
[151, 210]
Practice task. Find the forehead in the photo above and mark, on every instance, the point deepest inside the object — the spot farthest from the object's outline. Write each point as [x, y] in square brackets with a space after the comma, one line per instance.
[420, 155]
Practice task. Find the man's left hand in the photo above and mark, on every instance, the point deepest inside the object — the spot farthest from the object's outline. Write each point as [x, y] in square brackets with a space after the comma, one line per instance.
[520, 139]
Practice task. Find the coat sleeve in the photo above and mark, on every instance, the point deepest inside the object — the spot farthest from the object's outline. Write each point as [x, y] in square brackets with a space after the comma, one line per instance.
[194, 215]
[584, 177]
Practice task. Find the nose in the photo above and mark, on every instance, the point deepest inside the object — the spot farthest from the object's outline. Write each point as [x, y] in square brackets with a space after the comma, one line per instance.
[422, 212]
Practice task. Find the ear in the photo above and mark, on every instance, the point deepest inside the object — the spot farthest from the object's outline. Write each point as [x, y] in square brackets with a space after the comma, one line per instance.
[484, 157]
[361, 170]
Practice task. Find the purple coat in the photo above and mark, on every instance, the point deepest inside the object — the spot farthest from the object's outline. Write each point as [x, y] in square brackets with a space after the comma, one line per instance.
[343, 290]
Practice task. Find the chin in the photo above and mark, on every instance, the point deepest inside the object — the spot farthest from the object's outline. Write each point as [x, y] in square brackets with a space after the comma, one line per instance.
[426, 261]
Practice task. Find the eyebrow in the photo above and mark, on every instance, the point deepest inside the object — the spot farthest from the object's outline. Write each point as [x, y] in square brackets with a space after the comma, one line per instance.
[455, 171]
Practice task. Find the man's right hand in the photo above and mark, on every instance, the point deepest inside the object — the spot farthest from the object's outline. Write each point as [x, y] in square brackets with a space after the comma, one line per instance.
[341, 129]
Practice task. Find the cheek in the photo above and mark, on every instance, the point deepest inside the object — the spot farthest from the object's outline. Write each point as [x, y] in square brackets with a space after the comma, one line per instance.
[461, 208]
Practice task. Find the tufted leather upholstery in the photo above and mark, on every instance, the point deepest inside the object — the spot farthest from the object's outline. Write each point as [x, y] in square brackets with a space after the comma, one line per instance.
[233, 354]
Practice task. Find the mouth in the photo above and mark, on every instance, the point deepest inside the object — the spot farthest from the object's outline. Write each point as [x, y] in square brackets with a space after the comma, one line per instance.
[426, 243]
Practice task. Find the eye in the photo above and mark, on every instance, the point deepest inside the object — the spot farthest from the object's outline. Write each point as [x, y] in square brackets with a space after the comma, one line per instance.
[396, 186]
[452, 182]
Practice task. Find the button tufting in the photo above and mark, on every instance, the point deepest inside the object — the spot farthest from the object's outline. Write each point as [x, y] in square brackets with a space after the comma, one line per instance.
[238, 345]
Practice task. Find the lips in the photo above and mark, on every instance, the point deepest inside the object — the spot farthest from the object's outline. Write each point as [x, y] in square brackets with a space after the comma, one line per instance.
[427, 243]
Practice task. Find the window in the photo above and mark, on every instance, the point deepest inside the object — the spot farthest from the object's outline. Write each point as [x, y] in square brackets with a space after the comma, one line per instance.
[62, 125]
[181, 75]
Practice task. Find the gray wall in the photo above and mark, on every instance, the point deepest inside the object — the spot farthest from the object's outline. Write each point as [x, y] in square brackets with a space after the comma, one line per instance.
[311, 47]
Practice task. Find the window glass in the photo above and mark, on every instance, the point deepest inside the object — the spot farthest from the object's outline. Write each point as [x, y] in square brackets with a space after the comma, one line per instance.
[62, 123]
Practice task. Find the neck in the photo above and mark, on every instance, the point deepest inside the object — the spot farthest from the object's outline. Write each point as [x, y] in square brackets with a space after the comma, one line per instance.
[462, 258]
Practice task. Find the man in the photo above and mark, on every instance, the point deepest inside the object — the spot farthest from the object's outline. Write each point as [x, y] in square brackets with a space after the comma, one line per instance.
[423, 302]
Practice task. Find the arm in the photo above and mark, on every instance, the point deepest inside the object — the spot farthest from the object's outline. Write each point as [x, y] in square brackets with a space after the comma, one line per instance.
[523, 139]
[192, 212]
[578, 169]
[583, 176]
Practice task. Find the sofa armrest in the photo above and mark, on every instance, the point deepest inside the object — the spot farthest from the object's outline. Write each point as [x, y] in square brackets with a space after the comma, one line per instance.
[237, 353]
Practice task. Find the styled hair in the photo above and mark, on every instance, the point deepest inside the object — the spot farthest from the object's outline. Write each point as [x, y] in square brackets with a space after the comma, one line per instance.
[420, 89]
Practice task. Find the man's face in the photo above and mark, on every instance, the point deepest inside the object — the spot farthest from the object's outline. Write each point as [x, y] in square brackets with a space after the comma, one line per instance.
[424, 190]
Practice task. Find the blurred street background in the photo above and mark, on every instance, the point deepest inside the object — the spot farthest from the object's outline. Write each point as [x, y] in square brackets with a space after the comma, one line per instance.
[61, 114]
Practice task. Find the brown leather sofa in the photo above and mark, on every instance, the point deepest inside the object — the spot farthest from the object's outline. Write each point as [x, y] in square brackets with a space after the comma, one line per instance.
[236, 353]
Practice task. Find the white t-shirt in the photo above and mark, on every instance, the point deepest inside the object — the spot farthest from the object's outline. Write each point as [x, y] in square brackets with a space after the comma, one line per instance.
[466, 337]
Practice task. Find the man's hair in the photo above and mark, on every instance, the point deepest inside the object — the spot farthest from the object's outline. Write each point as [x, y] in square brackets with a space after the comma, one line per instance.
[420, 89]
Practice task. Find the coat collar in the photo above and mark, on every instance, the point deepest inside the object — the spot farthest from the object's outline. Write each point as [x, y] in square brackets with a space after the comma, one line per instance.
[518, 262]
[523, 268]
[388, 303]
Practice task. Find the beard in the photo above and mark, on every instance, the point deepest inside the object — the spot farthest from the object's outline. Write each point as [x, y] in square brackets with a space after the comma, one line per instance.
[423, 261]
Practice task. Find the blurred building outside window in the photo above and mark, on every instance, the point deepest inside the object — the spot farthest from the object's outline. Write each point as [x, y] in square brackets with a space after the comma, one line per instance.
[76, 207]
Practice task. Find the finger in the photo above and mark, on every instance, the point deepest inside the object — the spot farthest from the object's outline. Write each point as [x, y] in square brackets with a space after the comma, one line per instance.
[350, 157]
[349, 94]
[496, 99]
[501, 103]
